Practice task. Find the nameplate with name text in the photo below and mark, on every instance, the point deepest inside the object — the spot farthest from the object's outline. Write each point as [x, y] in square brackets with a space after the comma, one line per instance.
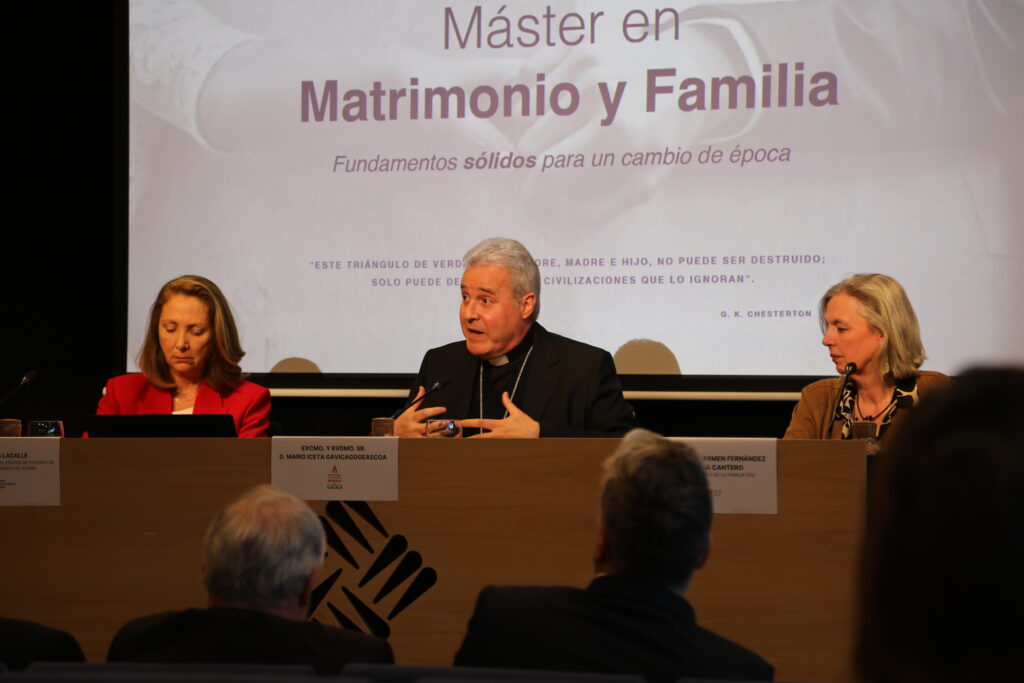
[742, 474]
[335, 467]
[30, 471]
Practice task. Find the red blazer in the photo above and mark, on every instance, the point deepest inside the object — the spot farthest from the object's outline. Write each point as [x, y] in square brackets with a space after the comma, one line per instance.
[132, 394]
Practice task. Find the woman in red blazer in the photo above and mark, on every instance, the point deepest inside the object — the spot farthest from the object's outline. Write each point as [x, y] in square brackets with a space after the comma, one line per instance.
[189, 362]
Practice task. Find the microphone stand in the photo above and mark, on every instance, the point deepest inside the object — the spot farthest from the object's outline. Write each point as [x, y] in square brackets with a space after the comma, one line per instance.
[847, 371]
[436, 386]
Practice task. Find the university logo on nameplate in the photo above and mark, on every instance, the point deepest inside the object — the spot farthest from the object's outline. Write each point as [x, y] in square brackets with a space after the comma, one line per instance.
[30, 471]
[742, 474]
[335, 468]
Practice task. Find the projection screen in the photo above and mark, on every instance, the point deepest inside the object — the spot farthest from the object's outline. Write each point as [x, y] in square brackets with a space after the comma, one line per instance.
[695, 174]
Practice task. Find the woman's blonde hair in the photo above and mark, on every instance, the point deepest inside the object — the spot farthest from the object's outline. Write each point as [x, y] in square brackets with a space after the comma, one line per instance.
[885, 306]
[222, 372]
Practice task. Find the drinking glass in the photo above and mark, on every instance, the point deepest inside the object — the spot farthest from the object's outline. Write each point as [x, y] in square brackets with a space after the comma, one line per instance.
[45, 428]
[10, 427]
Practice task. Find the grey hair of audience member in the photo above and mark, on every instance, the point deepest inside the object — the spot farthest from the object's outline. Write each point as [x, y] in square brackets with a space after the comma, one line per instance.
[655, 508]
[521, 266]
[260, 550]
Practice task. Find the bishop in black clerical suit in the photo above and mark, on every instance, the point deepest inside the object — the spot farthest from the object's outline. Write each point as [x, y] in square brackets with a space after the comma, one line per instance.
[511, 377]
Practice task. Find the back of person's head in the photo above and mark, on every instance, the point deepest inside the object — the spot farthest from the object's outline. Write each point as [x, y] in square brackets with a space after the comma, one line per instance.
[260, 551]
[941, 588]
[655, 508]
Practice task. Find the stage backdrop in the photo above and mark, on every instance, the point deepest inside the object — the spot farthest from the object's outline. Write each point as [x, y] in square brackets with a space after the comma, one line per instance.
[696, 174]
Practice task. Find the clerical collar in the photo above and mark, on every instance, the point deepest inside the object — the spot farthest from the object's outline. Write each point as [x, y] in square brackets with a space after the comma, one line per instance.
[517, 353]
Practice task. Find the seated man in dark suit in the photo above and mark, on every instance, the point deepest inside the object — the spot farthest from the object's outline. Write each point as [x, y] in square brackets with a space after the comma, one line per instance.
[510, 377]
[25, 642]
[261, 557]
[633, 618]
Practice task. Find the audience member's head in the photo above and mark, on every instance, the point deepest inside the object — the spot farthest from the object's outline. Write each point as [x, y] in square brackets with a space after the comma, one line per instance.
[655, 510]
[941, 587]
[263, 552]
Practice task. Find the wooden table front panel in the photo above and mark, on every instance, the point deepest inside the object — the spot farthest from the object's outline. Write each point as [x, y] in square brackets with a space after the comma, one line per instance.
[126, 542]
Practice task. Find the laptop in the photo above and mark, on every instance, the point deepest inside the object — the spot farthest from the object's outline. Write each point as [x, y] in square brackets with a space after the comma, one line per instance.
[159, 426]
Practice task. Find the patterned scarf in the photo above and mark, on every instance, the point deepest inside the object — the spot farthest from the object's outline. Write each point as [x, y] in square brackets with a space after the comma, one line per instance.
[905, 395]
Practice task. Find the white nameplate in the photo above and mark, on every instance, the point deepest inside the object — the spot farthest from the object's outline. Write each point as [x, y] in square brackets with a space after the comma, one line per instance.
[742, 474]
[335, 467]
[30, 470]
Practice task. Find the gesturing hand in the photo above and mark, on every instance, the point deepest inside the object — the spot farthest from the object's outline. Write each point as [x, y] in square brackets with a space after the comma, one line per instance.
[518, 425]
[412, 421]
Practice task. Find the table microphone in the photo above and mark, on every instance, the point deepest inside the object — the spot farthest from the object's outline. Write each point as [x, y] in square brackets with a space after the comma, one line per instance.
[436, 386]
[847, 371]
[27, 379]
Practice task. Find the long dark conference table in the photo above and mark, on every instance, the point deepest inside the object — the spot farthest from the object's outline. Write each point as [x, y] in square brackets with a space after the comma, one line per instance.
[126, 542]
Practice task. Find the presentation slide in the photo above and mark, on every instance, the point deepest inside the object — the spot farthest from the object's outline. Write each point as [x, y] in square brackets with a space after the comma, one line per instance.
[694, 174]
